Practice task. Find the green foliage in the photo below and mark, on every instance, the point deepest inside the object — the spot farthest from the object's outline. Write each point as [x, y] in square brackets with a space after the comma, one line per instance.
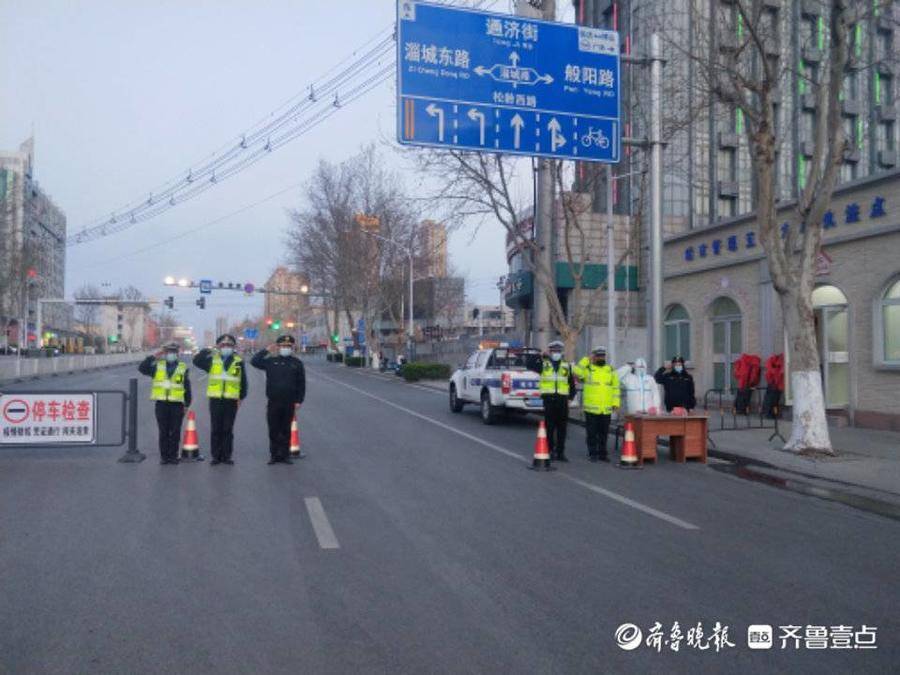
[355, 361]
[413, 372]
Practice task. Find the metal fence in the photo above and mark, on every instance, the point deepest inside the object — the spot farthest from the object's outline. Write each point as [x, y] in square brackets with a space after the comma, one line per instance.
[14, 368]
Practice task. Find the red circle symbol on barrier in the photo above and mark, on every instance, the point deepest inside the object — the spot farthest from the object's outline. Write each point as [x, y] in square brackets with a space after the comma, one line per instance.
[15, 411]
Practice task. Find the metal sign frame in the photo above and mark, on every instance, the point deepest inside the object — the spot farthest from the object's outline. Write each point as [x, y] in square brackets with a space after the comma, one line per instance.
[96, 418]
[566, 139]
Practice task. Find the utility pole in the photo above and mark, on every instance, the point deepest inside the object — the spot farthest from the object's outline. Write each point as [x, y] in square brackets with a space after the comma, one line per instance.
[656, 277]
[543, 213]
[610, 271]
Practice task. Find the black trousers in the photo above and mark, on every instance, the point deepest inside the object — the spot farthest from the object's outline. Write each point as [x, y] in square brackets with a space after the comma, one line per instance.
[168, 421]
[222, 412]
[556, 416]
[597, 431]
[279, 416]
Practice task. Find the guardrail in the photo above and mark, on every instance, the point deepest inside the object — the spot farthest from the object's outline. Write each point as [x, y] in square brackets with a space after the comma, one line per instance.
[13, 368]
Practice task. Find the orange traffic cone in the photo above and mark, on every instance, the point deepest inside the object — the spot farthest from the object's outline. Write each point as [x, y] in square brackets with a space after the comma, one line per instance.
[295, 440]
[629, 458]
[190, 448]
[541, 450]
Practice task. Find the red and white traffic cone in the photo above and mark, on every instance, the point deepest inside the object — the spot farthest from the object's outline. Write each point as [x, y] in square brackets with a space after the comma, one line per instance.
[295, 440]
[541, 450]
[190, 446]
[629, 458]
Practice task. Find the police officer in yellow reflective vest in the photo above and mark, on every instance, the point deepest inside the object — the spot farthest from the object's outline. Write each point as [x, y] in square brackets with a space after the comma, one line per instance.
[227, 387]
[557, 387]
[171, 389]
[600, 398]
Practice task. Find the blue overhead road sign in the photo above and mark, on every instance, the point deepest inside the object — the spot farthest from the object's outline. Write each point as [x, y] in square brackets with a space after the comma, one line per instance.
[501, 83]
[206, 285]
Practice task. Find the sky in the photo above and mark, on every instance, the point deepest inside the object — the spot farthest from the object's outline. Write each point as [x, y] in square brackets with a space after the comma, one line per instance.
[123, 96]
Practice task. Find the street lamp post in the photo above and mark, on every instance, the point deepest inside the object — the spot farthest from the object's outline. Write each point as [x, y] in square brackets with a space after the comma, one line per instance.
[409, 253]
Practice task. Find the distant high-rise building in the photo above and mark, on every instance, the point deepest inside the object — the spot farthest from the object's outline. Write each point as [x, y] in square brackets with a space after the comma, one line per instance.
[433, 247]
[32, 249]
[285, 296]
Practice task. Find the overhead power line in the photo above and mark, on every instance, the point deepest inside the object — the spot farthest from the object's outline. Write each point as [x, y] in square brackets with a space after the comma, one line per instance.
[340, 86]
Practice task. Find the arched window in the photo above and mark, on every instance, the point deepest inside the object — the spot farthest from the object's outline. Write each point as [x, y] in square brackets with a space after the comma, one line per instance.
[833, 341]
[727, 334]
[677, 333]
[890, 319]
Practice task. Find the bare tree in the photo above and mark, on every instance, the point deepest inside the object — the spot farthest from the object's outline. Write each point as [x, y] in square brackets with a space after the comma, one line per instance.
[88, 314]
[742, 71]
[132, 314]
[342, 237]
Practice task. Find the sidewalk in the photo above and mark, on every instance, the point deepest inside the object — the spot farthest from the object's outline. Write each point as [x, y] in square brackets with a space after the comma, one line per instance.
[867, 464]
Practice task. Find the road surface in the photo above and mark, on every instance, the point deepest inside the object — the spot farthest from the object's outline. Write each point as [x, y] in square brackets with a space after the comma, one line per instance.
[414, 540]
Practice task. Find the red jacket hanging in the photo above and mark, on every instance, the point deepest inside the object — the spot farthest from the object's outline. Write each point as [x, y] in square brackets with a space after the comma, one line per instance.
[747, 371]
[775, 372]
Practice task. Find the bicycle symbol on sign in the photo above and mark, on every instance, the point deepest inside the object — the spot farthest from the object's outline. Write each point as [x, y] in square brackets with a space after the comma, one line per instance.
[595, 138]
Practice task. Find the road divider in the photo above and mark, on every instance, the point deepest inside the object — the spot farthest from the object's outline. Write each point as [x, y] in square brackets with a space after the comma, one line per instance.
[13, 368]
[596, 489]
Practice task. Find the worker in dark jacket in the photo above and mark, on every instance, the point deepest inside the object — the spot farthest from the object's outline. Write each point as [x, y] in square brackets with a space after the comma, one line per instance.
[285, 389]
[227, 387]
[678, 385]
[171, 389]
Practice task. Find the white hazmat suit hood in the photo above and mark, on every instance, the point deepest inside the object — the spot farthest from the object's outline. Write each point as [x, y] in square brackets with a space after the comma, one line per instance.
[640, 389]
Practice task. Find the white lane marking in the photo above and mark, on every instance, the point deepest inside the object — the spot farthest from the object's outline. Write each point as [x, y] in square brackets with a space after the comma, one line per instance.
[320, 523]
[649, 510]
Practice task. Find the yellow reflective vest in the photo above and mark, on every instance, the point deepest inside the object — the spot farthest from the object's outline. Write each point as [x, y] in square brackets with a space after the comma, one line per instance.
[224, 383]
[555, 381]
[165, 388]
[601, 387]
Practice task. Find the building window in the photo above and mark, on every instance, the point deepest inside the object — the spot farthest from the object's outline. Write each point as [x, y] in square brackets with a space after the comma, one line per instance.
[727, 334]
[890, 318]
[677, 326]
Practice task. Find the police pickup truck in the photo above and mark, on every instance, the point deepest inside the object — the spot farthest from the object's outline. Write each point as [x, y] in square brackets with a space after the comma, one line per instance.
[498, 379]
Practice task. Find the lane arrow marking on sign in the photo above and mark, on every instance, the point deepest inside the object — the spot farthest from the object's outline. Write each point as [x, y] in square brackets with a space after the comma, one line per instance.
[517, 123]
[477, 116]
[435, 111]
[556, 138]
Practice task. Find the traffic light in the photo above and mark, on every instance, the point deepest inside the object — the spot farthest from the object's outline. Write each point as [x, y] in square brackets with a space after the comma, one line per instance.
[201, 303]
[170, 302]
[268, 321]
[475, 313]
[276, 325]
[335, 338]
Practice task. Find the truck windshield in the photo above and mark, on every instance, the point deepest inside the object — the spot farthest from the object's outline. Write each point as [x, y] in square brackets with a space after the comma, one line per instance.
[514, 359]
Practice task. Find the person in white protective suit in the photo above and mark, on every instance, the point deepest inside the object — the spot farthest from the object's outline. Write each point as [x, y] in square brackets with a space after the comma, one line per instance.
[640, 391]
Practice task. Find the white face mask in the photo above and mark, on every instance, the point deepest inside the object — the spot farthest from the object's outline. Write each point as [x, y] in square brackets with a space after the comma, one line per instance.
[555, 356]
[285, 351]
[679, 368]
[226, 352]
[171, 358]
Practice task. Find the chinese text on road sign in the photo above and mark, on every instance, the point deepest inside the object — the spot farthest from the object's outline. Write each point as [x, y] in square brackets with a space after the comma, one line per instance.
[500, 83]
[47, 419]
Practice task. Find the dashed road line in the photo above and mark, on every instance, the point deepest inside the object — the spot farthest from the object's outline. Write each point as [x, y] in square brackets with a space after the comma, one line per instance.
[621, 499]
[320, 523]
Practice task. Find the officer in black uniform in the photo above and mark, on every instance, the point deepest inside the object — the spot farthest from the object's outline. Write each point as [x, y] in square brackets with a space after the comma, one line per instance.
[285, 389]
[171, 391]
[678, 385]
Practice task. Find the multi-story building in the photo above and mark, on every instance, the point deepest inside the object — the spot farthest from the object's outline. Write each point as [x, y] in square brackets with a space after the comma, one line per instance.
[433, 247]
[32, 250]
[286, 295]
[719, 300]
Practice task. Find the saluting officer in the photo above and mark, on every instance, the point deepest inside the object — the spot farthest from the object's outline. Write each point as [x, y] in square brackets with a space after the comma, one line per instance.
[600, 398]
[557, 387]
[285, 389]
[226, 389]
[171, 389]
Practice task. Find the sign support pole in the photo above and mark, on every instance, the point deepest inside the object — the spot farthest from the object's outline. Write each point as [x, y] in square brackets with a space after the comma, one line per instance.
[132, 456]
[656, 276]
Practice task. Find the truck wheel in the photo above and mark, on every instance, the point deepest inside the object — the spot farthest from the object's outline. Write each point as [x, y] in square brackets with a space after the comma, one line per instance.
[455, 404]
[488, 412]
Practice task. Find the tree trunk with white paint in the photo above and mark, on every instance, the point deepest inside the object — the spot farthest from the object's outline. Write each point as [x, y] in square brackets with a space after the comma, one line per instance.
[809, 432]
